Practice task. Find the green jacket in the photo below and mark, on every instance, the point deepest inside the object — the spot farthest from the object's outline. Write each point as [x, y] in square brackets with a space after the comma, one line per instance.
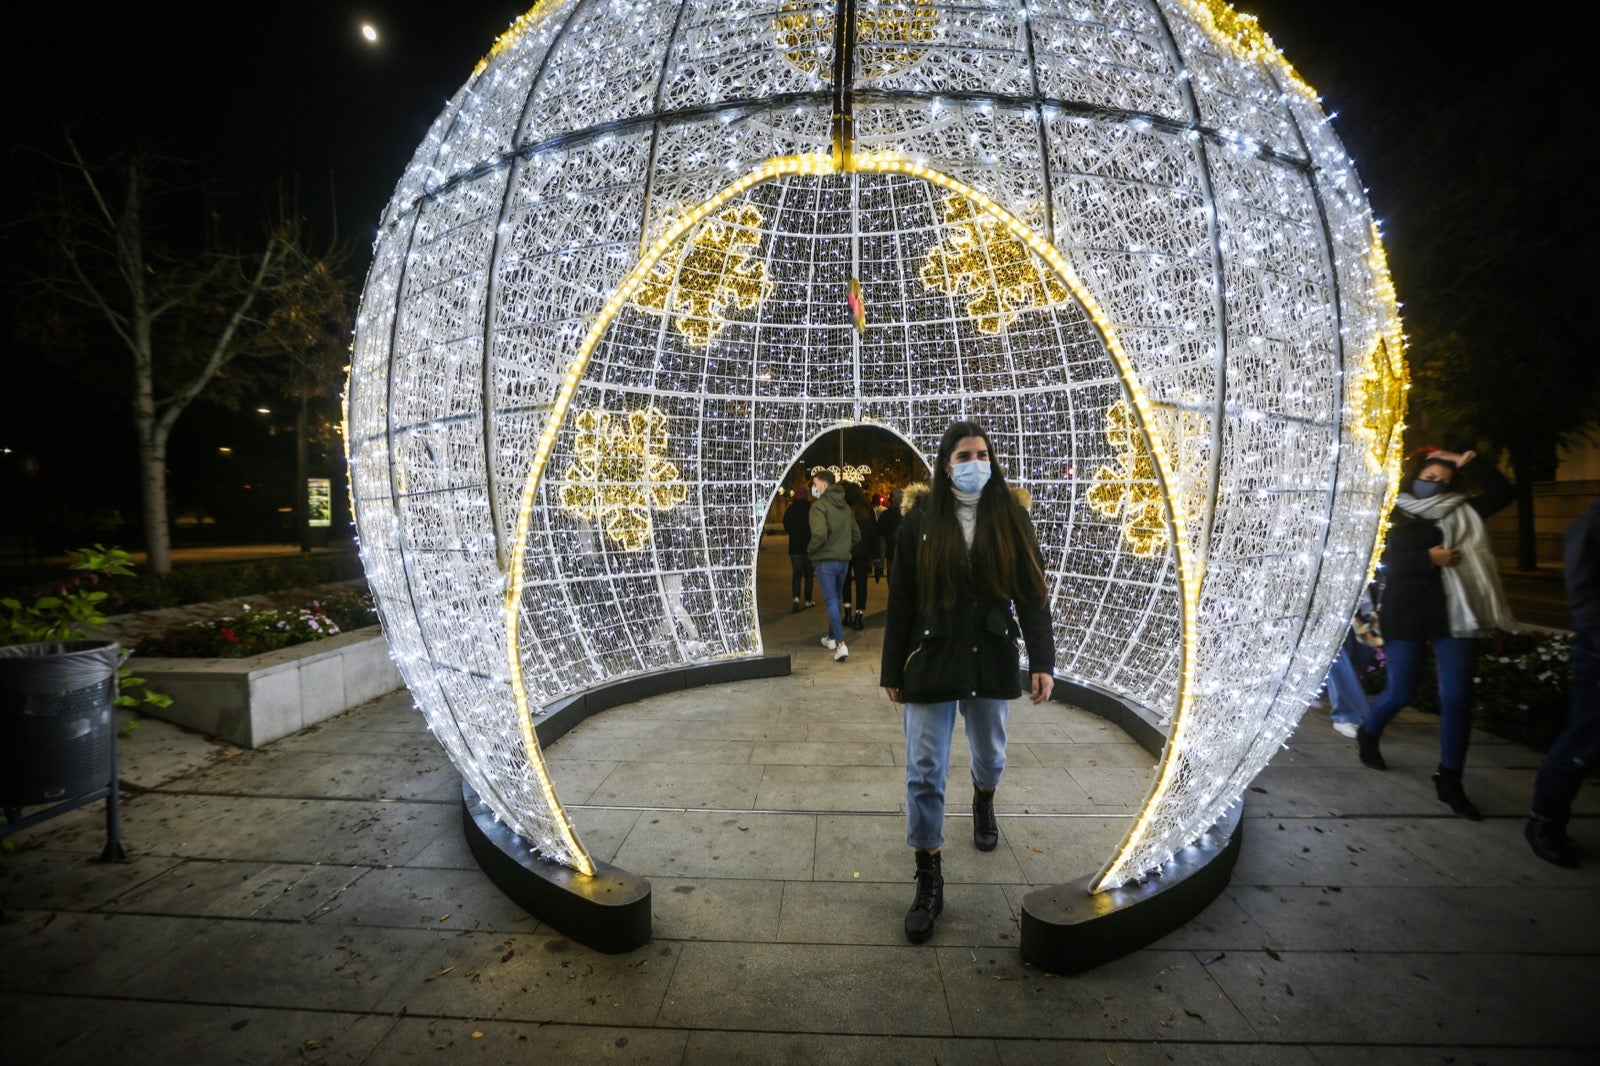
[833, 528]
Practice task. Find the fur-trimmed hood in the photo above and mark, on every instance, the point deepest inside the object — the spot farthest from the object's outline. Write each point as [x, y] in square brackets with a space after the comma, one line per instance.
[911, 496]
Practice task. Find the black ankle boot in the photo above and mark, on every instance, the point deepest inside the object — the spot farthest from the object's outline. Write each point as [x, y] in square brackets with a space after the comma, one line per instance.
[1548, 839]
[861, 621]
[929, 900]
[1447, 784]
[985, 830]
[1367, 749]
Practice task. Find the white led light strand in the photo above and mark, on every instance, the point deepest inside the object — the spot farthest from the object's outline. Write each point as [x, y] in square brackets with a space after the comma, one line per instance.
[632, 272]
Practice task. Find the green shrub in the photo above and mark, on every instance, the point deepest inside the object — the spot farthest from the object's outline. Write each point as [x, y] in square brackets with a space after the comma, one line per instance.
[205, 582]
[60, 610]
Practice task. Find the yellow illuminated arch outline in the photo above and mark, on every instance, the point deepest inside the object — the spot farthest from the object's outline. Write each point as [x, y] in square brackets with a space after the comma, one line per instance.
[822, 165]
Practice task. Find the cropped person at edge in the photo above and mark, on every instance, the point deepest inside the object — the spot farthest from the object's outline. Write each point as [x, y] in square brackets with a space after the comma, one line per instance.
[966, 557]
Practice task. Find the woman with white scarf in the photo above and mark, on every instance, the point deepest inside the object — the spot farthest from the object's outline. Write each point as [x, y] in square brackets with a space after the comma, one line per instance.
[1440, 587]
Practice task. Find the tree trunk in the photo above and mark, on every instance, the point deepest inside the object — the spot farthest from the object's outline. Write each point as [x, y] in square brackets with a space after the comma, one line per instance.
[302, 509]
[153, 495]
[1527, 542]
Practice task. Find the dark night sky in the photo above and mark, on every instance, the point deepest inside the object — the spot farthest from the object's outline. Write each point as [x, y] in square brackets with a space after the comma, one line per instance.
[259, 92]
[290, 90]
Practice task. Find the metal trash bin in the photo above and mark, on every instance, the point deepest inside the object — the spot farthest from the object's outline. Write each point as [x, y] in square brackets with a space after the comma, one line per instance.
[58, 732]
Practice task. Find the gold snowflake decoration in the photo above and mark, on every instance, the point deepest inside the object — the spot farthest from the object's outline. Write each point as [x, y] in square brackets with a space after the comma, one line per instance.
[619, 476]
[1242, 35]
[1377, 391]
[716, 274]
[1130, 490]
[887, 35]
[982, 259]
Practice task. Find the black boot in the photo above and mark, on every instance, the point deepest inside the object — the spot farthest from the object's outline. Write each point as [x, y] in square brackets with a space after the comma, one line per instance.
[985, 831]
[1447, 784]
[929, 900]
[1548, 839]
[861, 622]
[1367, 749]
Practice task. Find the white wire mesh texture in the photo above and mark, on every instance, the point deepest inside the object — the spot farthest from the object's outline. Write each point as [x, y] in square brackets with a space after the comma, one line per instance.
[651, 250]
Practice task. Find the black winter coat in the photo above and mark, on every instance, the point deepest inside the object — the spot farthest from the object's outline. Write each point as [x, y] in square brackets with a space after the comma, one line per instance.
[969, 650]
[1412, 605]
[797, 523]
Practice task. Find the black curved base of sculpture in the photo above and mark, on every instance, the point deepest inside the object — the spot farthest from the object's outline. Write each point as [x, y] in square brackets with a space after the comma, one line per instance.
[609, 910]
[1068, 929]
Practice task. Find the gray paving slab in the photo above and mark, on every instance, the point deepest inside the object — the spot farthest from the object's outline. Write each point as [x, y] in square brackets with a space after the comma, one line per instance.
[91, 1031]
[786, 1049]
[42, 878]
[1152, 995]
[808, 988]
[1429, 918]
[716, 908]
[1341, 851]
[1448, 1055]
[531, 977]
[863, 912]
[299, 888]
[497, 1043]
[286, 964]
[83, 953]
[1405, 997]
[1150, 1053]
[238, 888]
[720, 843]
[411, 897]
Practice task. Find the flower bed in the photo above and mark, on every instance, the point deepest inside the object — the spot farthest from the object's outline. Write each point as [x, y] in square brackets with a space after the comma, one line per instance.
[251, 632]
[1521, 685]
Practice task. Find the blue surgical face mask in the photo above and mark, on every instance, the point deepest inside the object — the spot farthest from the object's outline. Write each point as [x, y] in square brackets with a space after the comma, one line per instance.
[1423, 489]
[970, 476]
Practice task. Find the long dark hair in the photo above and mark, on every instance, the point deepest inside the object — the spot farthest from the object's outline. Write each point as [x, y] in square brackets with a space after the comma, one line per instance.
[1002, 560]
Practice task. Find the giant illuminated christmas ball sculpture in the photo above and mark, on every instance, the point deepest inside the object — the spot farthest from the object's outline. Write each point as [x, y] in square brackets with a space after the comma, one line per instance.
[652, 249]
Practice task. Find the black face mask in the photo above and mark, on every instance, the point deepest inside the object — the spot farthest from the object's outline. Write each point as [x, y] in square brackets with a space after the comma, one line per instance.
[1423, 489]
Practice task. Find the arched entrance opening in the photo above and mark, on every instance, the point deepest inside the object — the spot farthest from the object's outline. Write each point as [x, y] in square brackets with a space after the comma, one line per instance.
[796, 300]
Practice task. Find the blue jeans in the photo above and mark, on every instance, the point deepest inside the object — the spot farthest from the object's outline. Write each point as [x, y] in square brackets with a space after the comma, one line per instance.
[800, 569]
[830, 575]
[1345, 694]
[1454, 659]
[1577, 749]
[929, 727]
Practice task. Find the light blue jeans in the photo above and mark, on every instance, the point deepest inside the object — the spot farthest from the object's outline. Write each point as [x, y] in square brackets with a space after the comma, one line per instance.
[1346, 697]
[830, 576]
[929, 727]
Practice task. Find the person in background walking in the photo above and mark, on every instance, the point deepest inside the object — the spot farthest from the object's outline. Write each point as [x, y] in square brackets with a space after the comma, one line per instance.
[889, 528]
[968, 582]
[862, 554]
[833, 534]
[1441, 587]
[797, 523]
[1576, 751]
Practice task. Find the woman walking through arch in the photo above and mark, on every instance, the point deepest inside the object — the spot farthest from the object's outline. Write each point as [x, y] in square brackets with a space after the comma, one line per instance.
[968, 582]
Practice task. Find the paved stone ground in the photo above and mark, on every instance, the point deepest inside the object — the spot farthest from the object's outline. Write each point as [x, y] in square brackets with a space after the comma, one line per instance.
[315, 901]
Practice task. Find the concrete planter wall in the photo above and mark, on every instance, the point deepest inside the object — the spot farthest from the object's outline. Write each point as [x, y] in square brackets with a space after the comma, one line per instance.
[254, 701]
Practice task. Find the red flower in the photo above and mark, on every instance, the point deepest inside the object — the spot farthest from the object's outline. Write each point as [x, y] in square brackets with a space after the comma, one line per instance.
[227, 634]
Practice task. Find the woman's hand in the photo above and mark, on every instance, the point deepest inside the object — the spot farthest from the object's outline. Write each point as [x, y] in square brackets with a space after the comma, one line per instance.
[1043, 685]
[894, 695]
[1444, 556]
[1460, 459]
